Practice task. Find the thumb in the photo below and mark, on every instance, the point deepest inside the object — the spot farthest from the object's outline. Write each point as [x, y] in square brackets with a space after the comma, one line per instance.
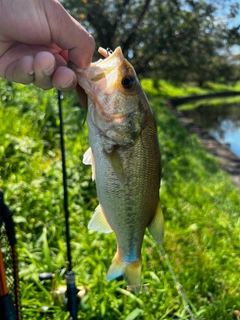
[69, 35]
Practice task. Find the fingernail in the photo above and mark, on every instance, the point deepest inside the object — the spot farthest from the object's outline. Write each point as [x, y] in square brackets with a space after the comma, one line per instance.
[31, 73]
[49, 71]
[68, 84]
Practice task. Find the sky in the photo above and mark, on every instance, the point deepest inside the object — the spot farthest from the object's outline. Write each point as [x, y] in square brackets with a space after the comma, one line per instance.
[232, 22]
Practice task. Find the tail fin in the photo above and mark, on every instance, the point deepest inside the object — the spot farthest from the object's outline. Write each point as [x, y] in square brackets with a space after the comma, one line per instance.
[131, 271]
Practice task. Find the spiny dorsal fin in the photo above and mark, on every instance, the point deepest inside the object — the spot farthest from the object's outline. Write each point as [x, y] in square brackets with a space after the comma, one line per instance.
[99, 222]
[156, 226]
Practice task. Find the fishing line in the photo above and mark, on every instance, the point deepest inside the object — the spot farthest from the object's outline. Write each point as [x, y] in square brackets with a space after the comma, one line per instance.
[178, 285]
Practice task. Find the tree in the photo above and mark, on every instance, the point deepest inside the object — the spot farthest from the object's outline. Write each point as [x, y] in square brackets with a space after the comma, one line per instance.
[178, 39]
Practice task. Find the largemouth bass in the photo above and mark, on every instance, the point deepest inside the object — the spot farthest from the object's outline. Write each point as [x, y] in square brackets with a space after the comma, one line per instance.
[125, 159]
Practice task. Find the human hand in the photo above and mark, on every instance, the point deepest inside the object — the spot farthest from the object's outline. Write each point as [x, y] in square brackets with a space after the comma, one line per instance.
[37, 39]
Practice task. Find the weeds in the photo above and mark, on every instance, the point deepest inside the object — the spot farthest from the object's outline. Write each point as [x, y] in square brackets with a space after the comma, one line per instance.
[200, 205]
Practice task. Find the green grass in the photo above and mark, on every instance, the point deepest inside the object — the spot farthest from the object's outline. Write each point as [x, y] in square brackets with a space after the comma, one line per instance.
[210, 103]
[166, 90]
[200, 205]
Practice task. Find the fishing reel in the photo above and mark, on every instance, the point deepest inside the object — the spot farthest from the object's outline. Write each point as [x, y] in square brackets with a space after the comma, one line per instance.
[68, 295]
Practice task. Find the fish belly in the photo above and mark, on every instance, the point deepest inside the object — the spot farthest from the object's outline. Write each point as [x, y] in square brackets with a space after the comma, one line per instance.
[130, 206]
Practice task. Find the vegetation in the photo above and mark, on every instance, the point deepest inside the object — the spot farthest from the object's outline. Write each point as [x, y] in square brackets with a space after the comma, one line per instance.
[200, 205]
[180, 40]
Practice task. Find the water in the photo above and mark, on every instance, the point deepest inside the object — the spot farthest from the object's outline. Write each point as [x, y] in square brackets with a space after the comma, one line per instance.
[222, 122]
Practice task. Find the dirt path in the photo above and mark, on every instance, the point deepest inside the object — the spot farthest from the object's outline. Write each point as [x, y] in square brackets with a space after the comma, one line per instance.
[229, 161]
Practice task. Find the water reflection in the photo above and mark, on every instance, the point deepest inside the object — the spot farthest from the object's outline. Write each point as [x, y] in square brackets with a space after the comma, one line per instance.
[222, 122]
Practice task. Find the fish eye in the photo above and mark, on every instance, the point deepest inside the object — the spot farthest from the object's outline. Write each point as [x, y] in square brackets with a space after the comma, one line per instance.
[128, 82]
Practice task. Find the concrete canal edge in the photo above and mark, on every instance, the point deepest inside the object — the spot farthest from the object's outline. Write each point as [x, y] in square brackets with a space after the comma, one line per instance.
[229, 162]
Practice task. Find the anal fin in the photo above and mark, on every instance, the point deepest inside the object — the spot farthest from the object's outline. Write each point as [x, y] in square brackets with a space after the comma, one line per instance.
[99, 221]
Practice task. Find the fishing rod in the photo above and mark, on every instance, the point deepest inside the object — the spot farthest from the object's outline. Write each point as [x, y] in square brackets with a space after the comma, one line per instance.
[72, 290]
[10, 309]
[73, 293]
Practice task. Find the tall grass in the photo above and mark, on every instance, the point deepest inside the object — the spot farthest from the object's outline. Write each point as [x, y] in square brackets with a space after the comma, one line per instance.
[200, 205]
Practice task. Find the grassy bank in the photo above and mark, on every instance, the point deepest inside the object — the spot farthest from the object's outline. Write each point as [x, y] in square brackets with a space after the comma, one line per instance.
[200, 205]
[168, 90]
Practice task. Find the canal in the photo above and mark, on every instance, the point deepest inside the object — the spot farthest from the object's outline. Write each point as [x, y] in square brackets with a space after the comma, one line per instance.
[222, 121]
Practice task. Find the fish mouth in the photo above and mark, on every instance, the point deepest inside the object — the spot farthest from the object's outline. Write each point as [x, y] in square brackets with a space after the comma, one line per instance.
[99, 69]
[102, 82]
[111, 60]
[102, 75]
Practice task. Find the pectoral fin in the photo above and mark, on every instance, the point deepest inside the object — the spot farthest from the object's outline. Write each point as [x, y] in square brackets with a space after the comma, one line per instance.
[116, 165]
[156, 226]
[88, 159]
[99, 222]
